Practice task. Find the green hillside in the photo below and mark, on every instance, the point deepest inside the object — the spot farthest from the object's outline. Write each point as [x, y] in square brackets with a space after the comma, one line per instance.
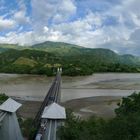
[10, 46]
[130, 59]
[70, 50]
[3, 49]
[25, 61]
[6, 47]
[49, 44]
[59, 48]
[46, 57]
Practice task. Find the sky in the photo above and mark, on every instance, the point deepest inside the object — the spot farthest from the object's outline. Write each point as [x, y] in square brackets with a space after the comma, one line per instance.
[112, 24]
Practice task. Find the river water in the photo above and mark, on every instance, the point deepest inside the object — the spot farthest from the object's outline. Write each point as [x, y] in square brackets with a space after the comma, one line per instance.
[34, 87]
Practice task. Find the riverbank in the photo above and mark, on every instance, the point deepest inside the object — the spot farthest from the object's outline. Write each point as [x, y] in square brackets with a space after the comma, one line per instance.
[101, 106]
[32, 89]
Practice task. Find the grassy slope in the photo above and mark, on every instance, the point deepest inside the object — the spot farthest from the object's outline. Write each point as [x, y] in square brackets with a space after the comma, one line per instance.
[25, 61]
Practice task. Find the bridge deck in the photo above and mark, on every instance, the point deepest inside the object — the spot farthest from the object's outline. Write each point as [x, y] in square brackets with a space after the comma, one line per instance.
[48, 131]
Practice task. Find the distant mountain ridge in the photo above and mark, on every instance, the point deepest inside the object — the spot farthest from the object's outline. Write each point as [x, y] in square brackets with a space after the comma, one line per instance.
[59, 48]
[50, 46]
[75, 60]
[54, 44]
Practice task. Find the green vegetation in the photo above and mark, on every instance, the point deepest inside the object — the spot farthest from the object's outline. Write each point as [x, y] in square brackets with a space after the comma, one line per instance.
[3, 97]
[58, 48]
[25, 61]
[44, 58]
[125, 126]
[5, 47]
[27, 130]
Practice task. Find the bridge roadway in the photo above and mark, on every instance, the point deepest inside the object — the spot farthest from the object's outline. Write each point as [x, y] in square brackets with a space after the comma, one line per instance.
[49, 133]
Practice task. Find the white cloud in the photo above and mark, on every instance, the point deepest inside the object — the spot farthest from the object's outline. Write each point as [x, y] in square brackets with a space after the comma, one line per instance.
[13, 18]
[88, 31]
[57, 20]
[18, 38]
[135, 36]
[21, 18]
[54, 10]
[6, 24]
[65, 9]
[46, 29]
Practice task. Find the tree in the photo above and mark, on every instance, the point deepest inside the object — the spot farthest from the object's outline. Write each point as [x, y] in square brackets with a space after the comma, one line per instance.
[125, 126]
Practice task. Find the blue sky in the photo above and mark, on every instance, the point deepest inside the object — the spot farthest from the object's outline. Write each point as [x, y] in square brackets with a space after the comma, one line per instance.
[113, 24]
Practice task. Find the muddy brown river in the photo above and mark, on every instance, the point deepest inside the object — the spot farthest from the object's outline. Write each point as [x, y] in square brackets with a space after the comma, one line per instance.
[35, 87]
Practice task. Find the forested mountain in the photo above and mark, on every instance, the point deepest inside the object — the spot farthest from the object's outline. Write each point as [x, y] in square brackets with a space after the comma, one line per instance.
[59, 48]
[44, 58]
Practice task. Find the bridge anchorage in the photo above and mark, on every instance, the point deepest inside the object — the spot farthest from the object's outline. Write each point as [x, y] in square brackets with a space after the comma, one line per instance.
[50, 115]
[9, 127]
